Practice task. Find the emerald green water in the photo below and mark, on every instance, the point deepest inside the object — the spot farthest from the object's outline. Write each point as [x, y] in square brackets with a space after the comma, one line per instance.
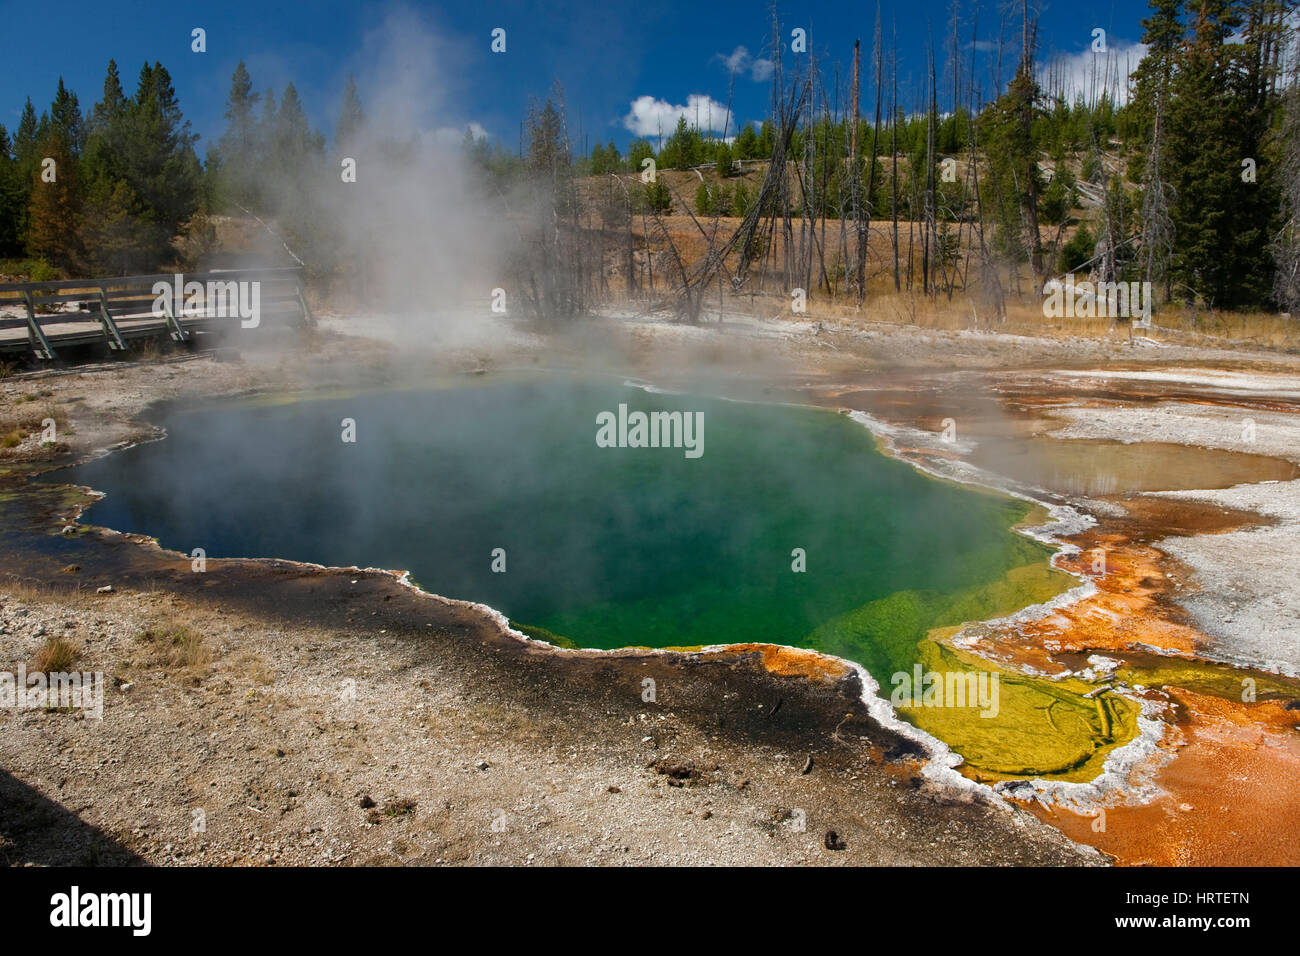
[603, 547]
[606, 547]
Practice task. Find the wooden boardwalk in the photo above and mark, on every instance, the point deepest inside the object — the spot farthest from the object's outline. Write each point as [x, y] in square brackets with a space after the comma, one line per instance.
[40, 318]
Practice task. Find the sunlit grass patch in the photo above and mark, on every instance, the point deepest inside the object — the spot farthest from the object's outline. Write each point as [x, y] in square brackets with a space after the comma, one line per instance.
[56, 655]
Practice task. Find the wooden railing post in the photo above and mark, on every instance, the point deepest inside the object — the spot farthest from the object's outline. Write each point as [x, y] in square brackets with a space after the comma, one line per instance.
[40, 344]
[106, 320]
[132, 310]
[306, 312]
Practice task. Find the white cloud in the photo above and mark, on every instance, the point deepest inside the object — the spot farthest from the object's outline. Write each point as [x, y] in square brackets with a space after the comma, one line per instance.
[1090, 73]
[650, 117]
[740, 60]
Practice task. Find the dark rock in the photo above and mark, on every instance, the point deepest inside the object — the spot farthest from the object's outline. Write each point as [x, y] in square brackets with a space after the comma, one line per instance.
[674, 771]
[902, 750]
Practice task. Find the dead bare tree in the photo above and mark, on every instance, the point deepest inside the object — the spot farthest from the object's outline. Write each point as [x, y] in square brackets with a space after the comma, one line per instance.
[893, 149]
[990, 281]
[555, 256]
[867, 209]
[930, 240]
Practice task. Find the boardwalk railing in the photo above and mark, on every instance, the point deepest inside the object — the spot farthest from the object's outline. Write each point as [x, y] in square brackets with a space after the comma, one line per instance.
[35, 316]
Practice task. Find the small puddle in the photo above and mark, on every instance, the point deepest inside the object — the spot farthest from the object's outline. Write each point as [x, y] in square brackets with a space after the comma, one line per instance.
[1095, 467]
[1008, 441]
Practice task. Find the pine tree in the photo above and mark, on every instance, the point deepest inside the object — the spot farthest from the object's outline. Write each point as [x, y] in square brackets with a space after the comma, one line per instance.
[605, 159]
[26, 163]
[114, 104]
[684, 148]
[722, 202]
[703, 201]
[1163, 38]
[13, 198]
[115, 231]
[722, 155]
[65, 117]
[1153, 88]
[1077, 252]
[161, 166]
[741, 200]
[297, 152]
[262, 155]
[236, 157]
[55, 199]
[637, 151]
[116, 241]
[657, 196]
[1218, 120]
[54, 208]
[1014, 178]
[746, 144]
[24, 145]
[545, 149]
[293, 142]
[550, 262]
[351, 118]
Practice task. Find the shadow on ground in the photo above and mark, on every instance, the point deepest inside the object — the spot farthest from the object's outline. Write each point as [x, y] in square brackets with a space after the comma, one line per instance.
[34, 830]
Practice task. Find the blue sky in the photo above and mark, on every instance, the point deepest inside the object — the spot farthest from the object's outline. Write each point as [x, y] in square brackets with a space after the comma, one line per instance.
[624, 66]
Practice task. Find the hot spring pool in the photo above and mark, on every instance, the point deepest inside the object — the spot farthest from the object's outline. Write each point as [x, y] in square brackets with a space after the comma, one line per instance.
[788, 527]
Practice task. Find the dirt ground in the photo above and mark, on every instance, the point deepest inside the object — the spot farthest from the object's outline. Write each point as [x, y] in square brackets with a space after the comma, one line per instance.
[269, 713]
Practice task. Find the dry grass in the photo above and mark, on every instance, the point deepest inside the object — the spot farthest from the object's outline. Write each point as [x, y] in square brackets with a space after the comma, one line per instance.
[56, 655]
[17, 591]
[1172, 324]
[765, 295]
[1246, 328]
[27, 414]
[176, 647]
[253, 667]
[152, 348]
